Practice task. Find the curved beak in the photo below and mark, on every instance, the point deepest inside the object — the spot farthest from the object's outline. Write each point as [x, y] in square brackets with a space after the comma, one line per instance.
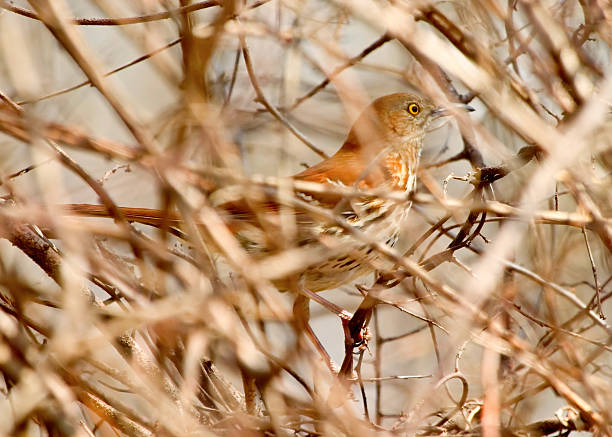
[444, 111]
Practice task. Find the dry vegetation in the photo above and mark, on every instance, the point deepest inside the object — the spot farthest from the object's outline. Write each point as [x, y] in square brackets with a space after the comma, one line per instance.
[491, 319]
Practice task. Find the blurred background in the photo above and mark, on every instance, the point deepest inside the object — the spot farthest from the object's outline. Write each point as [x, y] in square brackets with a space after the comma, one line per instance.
[109, 328]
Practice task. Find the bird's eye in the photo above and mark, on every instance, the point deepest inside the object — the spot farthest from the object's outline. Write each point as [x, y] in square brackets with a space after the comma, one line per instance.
[414, 109]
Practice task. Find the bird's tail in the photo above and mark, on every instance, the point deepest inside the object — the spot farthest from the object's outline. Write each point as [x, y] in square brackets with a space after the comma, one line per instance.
[146, 216]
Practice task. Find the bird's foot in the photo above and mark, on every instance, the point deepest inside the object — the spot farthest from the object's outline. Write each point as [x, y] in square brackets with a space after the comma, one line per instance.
[355, 336]
[362, 339]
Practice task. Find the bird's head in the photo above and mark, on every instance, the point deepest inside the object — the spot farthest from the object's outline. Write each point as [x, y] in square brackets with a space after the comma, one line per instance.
[397, 120]
[405, 115]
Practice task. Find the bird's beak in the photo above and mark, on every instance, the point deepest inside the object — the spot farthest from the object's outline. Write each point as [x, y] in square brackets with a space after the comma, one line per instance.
[445, 111]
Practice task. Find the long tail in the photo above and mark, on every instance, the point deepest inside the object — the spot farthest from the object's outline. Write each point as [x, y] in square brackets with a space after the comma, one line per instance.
[146, 216]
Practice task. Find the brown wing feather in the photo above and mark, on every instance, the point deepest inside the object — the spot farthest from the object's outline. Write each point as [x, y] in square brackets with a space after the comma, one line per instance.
[346, 167]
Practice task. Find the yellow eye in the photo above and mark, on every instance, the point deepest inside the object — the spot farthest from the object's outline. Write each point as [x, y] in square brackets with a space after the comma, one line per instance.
[414, 109]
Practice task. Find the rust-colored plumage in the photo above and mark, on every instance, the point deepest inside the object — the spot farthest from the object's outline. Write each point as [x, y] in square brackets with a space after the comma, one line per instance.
[380, 152]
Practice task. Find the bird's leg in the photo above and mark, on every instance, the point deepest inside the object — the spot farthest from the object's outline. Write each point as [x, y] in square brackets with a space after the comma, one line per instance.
[358, 325]
[356, 333]
[337, 310]
[301, 313]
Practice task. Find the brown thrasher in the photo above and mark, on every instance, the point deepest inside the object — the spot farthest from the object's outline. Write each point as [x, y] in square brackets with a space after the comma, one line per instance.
[381, 151]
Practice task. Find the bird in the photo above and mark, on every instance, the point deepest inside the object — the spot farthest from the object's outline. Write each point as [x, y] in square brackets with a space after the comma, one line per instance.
[380, 153]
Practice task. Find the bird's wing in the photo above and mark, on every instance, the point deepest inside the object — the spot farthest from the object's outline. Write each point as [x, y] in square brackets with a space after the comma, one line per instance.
[346, 168]
[349, 167]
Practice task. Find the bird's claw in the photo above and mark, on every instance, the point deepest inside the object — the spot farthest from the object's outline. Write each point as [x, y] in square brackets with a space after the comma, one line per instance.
[360, 343]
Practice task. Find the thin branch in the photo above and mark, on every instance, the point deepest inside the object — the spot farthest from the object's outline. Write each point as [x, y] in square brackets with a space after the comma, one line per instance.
[116, 70]
[349, 63]
[262, 99]
[118, 21]
[49, 14]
